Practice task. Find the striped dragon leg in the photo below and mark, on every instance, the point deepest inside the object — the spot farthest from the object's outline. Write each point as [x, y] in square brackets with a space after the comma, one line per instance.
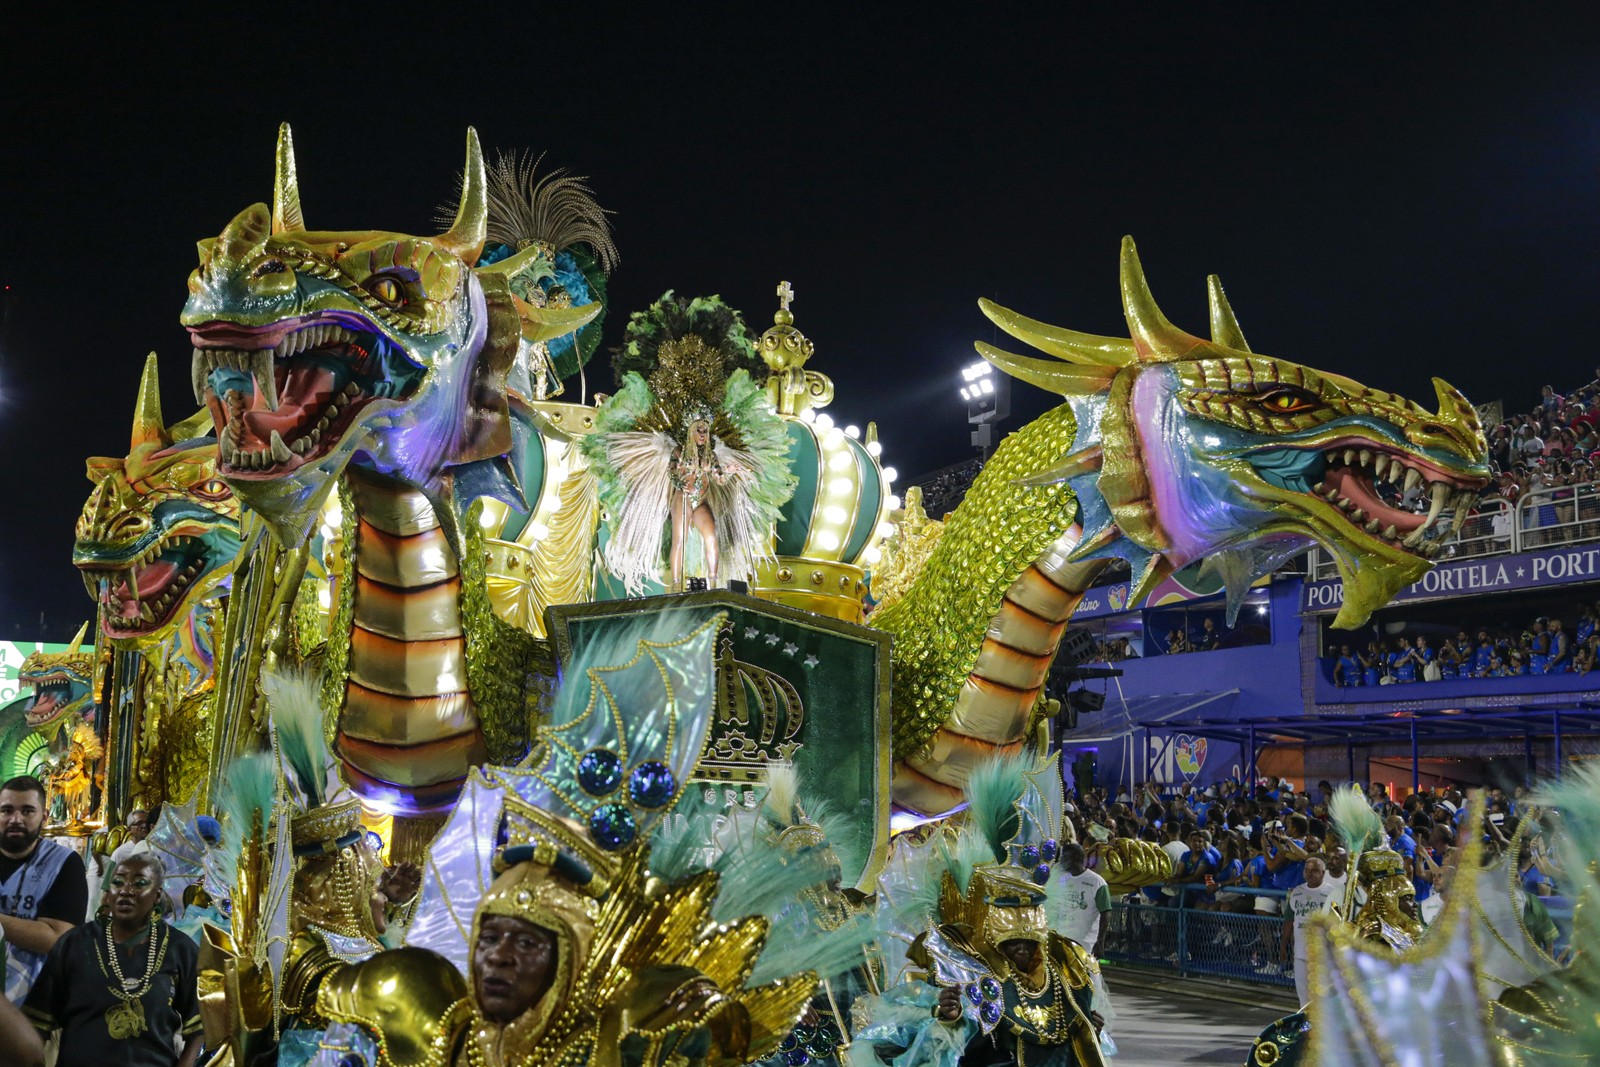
[994, 712]
[408, 732]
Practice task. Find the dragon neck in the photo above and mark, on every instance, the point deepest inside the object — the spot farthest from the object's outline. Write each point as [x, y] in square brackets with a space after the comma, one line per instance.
[1004, 533]
[408, 730]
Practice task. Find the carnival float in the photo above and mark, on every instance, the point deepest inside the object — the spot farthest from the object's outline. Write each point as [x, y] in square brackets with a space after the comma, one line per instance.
[671, 676]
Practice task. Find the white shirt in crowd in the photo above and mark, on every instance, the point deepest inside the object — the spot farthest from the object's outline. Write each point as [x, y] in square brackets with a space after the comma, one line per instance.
[1177, 850]
[1304, 902]
[1083, 898]
[1337, 885]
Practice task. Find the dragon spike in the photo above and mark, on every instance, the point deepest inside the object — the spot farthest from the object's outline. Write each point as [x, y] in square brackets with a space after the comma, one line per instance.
[148, 429]
[1083, 462]
[1070, 345]
[1456, 410]
[1156, 571]
[1094, 541]
[286, 214]
[1224, 327]
[1063, 379]
[467, 233]
[77, 642]
[247, 232]
[1156, 339]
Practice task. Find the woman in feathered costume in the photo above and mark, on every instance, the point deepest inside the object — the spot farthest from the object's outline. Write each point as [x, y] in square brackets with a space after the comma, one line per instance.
[691, 449]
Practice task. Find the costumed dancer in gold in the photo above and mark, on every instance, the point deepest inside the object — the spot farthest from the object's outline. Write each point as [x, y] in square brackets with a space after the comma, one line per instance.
[580, 950]
[987, 981]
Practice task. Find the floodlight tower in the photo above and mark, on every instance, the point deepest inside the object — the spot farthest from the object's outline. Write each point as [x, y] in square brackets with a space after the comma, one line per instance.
[988, 397]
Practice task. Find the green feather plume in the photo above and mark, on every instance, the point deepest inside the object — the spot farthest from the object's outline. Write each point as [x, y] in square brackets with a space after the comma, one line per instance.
[993, 791]
[294, 697]
[249, 786]
[1358, 825]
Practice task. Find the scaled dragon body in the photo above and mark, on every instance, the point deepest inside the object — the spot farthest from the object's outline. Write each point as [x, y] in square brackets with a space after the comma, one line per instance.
[395, 364]
[156, 544]
[1169, 449]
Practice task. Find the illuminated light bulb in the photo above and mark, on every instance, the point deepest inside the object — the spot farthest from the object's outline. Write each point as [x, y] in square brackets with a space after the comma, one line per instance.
[824, 422]
[488, 519]
[885, 529]
[852, 431]
[841, 486]
[841, 461]
[538, 530]
[988, 385]
[874, 449]
[827, 540]
[871, 555]
[808, 415]
[966, 394]
[890, 474]
[893, 502]
[833, 438]
[834, 513]
[324, 597]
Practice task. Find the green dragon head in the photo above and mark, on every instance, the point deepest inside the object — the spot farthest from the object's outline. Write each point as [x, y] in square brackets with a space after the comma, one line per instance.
[160, 531]
[63, 684]
[313, 348]
[1188, 449]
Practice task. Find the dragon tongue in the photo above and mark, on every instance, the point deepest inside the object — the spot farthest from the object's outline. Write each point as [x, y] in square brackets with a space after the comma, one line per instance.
[152, 577]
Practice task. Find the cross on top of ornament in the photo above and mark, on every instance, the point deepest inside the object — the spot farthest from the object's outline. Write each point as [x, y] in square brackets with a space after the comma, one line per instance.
[785, 295]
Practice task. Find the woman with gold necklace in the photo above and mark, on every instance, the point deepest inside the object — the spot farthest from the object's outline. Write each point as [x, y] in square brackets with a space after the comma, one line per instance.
[121, 987]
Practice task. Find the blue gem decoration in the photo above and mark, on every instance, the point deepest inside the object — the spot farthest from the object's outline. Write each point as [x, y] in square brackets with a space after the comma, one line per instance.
[990, 1013]
[790, 1041]
[973, 994]
[652, 784]
[600, 772]
[991, 989]
[796, 1057]
[612, 827]
[1050, 850]
[1041, 874]
[1030, 855]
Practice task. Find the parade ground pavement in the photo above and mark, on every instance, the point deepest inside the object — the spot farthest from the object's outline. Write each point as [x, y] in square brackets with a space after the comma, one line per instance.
[1159, 1027]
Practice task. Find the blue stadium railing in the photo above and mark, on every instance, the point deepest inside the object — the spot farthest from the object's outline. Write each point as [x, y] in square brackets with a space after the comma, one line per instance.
[1241, 946]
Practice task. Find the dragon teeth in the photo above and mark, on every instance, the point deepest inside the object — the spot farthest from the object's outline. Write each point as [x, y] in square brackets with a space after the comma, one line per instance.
[280, 451]
[266, 380]
[1413, 478]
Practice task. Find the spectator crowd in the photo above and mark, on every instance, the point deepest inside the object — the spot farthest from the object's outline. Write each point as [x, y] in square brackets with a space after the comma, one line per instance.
[1272, 852]
[1548, 645]
[1552, 450]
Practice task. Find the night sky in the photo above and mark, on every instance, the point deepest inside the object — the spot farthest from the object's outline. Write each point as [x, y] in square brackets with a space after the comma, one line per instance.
[1392, 197]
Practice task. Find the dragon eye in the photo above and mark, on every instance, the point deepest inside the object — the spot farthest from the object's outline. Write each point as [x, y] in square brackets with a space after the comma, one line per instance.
[213, 489]
[387, 289]
[1285, 401]
[270, 266]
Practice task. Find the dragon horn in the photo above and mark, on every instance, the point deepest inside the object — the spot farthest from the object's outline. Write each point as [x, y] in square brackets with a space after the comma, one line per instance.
[1156, 339]
[77, 642]
[1070, 345]
[467, 233]
[286, 214]
[246, 233]
[1063, 379]
[1224, 327]
[148, 428]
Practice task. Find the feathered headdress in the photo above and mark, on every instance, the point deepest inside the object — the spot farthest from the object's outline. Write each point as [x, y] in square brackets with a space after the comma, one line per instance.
[654, 333]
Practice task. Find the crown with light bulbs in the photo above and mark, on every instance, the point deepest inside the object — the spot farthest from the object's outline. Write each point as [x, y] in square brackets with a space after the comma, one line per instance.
[832, 527]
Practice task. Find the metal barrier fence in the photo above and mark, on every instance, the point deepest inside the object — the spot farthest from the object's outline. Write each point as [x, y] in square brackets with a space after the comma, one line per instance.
[1541, 518]
[1238, 945]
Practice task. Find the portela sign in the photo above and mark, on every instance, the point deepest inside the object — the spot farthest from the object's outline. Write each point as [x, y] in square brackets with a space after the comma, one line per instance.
[1497, 574]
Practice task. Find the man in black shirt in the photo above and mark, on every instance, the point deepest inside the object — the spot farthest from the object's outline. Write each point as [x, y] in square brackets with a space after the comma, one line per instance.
[43, 888]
